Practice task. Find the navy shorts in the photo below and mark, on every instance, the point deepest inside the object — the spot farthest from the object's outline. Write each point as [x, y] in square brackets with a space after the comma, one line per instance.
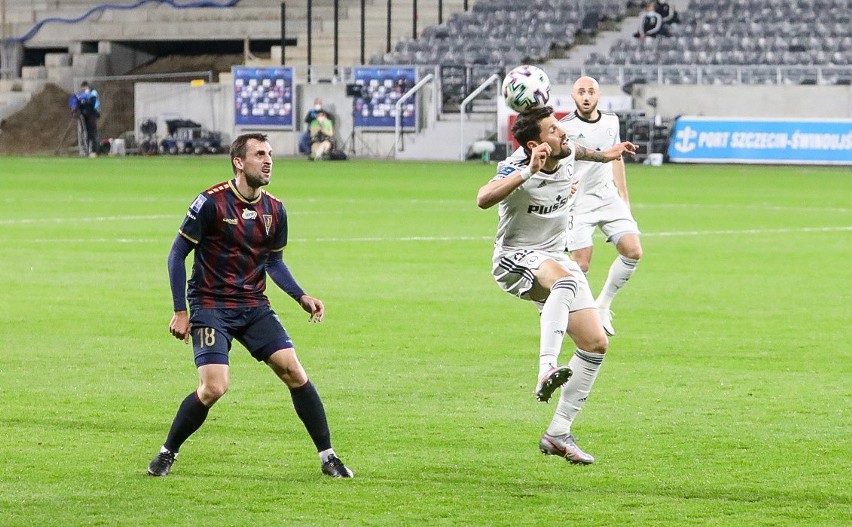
[257, 328]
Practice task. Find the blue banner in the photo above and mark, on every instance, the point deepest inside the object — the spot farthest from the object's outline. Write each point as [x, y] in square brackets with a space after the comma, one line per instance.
[771, 141]
[381, 88]
[263, 97]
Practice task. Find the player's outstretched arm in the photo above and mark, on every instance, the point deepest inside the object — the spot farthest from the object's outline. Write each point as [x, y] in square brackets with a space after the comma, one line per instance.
[497, 190]
[610, 154]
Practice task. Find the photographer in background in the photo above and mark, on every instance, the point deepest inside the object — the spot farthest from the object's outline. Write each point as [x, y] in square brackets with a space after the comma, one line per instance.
[305, 139]
[322, 136]
[89, 106]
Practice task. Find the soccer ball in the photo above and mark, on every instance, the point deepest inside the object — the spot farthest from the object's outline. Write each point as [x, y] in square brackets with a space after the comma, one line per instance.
[526, 87]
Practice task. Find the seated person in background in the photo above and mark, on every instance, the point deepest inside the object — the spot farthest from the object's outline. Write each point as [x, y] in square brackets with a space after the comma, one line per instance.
[312, 113]
[322, 135]
[651, 23]
[668, 14]
[305, 139]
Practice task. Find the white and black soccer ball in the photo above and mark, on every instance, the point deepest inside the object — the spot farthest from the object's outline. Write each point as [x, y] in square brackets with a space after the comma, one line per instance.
[526, 87]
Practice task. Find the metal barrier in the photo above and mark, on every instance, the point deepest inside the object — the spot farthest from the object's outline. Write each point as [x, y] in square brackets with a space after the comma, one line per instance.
[398, 108]
[482, 87]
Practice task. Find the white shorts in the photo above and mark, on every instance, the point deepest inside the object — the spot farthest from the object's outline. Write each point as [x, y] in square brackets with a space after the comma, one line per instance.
[612, 215]
[513, 271]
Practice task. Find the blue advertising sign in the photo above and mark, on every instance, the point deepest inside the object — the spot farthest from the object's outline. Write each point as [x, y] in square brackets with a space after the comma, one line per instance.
[773, 141]
[263, 97]
[381, 88]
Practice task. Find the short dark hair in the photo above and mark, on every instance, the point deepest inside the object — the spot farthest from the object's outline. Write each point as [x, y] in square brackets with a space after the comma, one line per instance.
[84, 84]
[240, 146]
[527, 128]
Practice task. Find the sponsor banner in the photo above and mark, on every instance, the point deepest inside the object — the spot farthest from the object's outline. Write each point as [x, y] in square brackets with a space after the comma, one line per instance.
[771, 141]
[381, 88]
[263, 97]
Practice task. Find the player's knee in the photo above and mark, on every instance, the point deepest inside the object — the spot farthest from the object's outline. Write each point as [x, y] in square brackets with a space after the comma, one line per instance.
[288, 368]
[633, 252]
[598, 344]
[211, 392]
[592, 340]
[294, 377]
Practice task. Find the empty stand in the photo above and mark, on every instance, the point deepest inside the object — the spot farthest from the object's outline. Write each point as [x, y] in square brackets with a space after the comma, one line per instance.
[743, 41]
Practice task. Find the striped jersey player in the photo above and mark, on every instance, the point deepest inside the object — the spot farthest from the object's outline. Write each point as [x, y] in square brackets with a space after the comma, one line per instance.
[533, 190]
[229, 269]
[602, 200]
[238, 232]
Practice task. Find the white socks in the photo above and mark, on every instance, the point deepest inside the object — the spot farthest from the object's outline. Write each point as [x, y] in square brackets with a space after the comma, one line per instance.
[554, 322]
[585, 366]
[619, 273]
[324, 455]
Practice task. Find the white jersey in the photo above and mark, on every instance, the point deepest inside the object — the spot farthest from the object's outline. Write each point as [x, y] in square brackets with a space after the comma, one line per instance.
[595, 179]
[535, 215]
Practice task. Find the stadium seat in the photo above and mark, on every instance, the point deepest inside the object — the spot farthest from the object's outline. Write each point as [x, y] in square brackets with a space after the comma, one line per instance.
[796, 36]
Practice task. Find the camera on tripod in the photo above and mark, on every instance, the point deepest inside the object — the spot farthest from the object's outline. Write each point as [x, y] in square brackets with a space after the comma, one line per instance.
[356, 90]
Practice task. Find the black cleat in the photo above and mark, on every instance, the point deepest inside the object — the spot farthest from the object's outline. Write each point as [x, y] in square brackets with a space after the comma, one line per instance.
[160, 465]
[550, 381]
[335, 468]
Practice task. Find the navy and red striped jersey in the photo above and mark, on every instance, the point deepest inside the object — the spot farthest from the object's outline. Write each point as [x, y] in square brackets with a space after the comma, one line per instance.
[233, 238]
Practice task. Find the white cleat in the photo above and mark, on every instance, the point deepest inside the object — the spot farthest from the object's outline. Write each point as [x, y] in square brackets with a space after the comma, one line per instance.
[564, 446]
[606, 321]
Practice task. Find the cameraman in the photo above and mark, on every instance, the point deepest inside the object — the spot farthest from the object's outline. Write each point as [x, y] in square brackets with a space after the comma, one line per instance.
[305, 139]
[322, 136]
[89, 106]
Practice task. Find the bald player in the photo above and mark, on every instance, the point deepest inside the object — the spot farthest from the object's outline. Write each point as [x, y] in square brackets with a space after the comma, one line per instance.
[601, 200]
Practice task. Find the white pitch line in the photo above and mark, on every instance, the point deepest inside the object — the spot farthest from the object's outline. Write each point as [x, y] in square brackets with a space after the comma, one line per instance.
[178, 216]
[89, 219]
[93, 219]
[763, 206]
[782, 230]
[380, 239]
[653, 234]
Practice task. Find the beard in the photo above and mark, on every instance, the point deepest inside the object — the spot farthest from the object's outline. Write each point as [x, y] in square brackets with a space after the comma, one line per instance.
[561, 154]
[258, 179]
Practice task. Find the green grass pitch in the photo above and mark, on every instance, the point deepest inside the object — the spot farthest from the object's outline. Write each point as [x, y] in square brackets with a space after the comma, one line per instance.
[724, 400]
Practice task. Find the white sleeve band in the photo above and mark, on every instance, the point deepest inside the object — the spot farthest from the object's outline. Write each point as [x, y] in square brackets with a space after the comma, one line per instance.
[526, 173]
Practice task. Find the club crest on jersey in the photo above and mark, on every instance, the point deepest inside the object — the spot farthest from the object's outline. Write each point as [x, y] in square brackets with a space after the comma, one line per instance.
[249, 214]
[267, 222]
[198, 203]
